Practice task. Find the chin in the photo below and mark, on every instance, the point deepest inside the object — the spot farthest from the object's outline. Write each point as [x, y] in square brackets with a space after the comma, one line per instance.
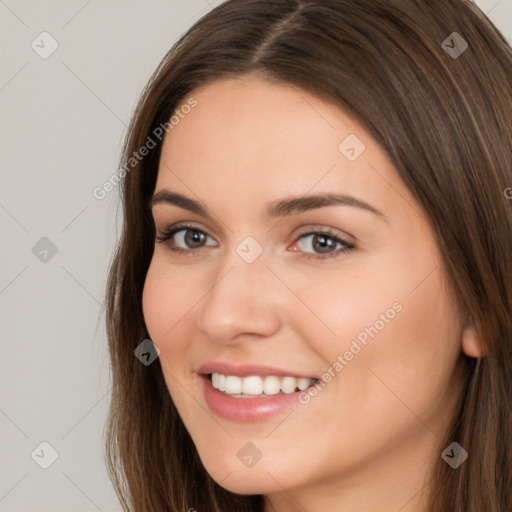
[244, 482]
[255, 480]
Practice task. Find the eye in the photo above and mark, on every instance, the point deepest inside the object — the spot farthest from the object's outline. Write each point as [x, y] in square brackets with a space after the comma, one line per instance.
[324, 244]
[189, 237]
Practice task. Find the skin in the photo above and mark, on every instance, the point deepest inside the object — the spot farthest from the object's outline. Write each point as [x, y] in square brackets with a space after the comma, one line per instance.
[367, 440]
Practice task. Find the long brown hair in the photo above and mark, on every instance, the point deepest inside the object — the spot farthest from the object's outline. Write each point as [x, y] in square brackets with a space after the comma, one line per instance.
[445, 121]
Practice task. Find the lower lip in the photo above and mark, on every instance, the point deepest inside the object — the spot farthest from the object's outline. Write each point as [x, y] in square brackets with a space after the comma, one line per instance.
[246, 409]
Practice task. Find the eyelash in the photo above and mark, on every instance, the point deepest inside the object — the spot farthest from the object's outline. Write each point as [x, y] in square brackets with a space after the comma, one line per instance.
[169, 232]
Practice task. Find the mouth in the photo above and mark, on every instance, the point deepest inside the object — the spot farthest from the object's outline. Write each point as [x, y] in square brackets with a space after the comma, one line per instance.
[250, 393]
[256, 386]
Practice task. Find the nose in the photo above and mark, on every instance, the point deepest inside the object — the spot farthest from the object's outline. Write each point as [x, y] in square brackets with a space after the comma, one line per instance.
[242, 302]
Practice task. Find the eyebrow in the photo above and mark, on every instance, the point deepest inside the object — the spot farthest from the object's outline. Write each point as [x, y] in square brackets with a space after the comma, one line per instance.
[278, 208]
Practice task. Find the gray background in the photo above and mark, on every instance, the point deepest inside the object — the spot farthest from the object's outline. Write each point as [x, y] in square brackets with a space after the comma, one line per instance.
[63, 121]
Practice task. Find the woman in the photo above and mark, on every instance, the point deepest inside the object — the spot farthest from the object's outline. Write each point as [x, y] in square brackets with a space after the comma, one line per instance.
[315, 270]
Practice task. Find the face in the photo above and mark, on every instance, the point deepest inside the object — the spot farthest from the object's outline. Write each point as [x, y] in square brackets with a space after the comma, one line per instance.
[326, 325]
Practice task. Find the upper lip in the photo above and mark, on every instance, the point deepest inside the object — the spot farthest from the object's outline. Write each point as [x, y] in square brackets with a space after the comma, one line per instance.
[246, 370]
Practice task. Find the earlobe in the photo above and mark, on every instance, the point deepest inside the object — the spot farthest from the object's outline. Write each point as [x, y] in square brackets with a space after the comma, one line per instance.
[471, 344]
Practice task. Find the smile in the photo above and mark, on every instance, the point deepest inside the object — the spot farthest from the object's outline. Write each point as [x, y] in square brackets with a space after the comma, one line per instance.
[258, 386]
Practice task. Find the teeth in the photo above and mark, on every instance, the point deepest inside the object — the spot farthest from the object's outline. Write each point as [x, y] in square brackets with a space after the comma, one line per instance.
[288, 385]
[271, 385]
[252, 385]
[246, 387]
[303, 383]
[219, 381]
[233, 384]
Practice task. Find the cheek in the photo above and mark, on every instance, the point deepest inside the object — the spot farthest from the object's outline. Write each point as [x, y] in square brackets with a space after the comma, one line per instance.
[395, 320]
[155, 302]
[412, 360]
[166, 301]
[170, 300]
[345, 305]
[166, 304]
[428, 329]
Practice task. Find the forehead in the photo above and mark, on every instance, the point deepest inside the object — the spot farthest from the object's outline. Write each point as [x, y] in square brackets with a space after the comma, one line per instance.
[248, 141]
[243, 125]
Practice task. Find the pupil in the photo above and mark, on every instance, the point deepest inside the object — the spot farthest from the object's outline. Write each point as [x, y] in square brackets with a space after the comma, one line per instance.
[194, 237]
[325, 242]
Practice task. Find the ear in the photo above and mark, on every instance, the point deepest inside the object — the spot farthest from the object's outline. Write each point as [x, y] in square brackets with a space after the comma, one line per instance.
[472, 346]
